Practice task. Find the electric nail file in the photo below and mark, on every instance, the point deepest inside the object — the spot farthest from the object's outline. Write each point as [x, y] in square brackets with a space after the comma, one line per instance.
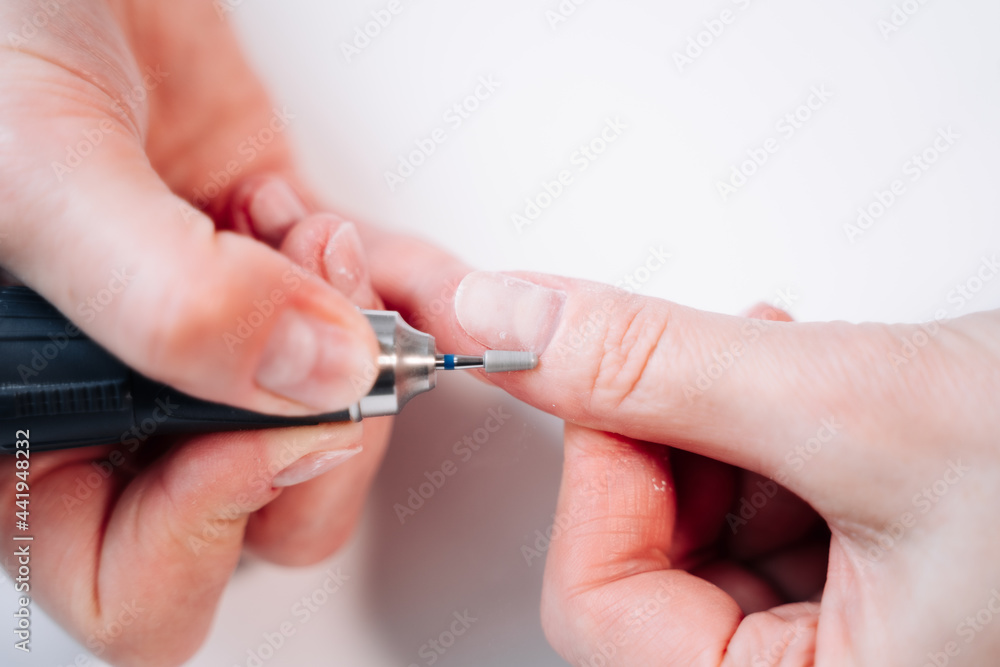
[67, 391]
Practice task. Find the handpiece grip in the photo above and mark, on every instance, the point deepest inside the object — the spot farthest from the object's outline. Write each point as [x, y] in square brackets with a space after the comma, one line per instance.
[67, 391]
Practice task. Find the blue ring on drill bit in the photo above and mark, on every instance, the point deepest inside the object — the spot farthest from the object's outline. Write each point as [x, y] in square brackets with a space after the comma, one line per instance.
[449, 362]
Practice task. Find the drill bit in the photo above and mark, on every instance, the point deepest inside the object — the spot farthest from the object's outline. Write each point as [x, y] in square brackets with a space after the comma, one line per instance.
[492, 361]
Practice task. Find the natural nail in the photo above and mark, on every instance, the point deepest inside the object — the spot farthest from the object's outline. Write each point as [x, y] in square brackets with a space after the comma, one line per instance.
[344, 260]
[507, 313]
[312, 466]
[313, 362]
[273, 209]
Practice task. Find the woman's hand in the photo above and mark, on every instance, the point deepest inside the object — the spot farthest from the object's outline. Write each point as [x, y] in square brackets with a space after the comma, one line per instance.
[674, 543]
[114, 116]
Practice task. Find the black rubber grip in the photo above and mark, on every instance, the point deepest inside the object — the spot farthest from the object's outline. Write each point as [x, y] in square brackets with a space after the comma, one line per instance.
[67, 391]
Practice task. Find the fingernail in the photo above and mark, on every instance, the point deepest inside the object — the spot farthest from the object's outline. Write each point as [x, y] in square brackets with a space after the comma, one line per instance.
[312, 466]
[273, 209]
[344, 260]
[314, 363]
[507, 313]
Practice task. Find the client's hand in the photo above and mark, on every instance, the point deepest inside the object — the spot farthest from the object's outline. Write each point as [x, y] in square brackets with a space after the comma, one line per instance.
[667, 557]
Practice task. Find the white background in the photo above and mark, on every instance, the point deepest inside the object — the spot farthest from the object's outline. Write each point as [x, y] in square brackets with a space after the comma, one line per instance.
[656, 186]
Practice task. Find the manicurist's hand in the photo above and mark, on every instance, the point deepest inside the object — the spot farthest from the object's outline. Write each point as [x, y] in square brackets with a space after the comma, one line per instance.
[115, 118]
[677, 540]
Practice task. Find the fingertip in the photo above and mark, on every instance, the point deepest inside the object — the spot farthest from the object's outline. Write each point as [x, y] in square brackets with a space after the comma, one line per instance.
[330, 247]
[322, 365]
[266, 207]
[238, 323]
[765, 311]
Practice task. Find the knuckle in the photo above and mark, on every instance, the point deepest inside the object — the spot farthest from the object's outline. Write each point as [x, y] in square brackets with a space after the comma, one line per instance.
[183, 327]
[179, 323]
[630, 345]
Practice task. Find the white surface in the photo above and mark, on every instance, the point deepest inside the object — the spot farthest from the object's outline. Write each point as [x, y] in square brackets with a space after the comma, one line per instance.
[655, 186]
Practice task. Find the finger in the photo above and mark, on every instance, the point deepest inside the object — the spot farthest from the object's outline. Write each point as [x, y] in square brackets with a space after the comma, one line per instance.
[417, 279]
[216, 315]
[266, 207]
[623, 363]
[330, 247]
[798, 573]
[609, 594]
[135, 565]
[568, 325]
[238, 134]
[748, 392]
[311, 521]
[705, 491]
[766, 516]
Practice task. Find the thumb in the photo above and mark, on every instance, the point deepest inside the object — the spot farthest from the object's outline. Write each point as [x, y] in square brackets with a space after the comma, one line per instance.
[801, 403]
[214, 314]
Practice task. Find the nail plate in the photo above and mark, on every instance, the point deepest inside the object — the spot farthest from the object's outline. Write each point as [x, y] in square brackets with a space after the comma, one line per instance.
[312, 466]
[273, 209]
[313, 362]
[344, 260]
[504, 312]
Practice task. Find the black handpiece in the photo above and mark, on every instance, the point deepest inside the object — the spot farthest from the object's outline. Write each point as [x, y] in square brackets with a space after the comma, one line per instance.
[67, 391]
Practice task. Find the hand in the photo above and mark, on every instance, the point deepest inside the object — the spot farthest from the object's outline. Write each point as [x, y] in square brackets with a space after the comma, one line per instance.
[668, 557]
[114, 116]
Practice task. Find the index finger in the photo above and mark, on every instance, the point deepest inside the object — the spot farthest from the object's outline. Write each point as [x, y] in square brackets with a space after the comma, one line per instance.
[612, 597]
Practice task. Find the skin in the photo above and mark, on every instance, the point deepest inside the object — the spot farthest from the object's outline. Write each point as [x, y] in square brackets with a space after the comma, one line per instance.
[646, 567]
[150, 547]
[875, 549]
